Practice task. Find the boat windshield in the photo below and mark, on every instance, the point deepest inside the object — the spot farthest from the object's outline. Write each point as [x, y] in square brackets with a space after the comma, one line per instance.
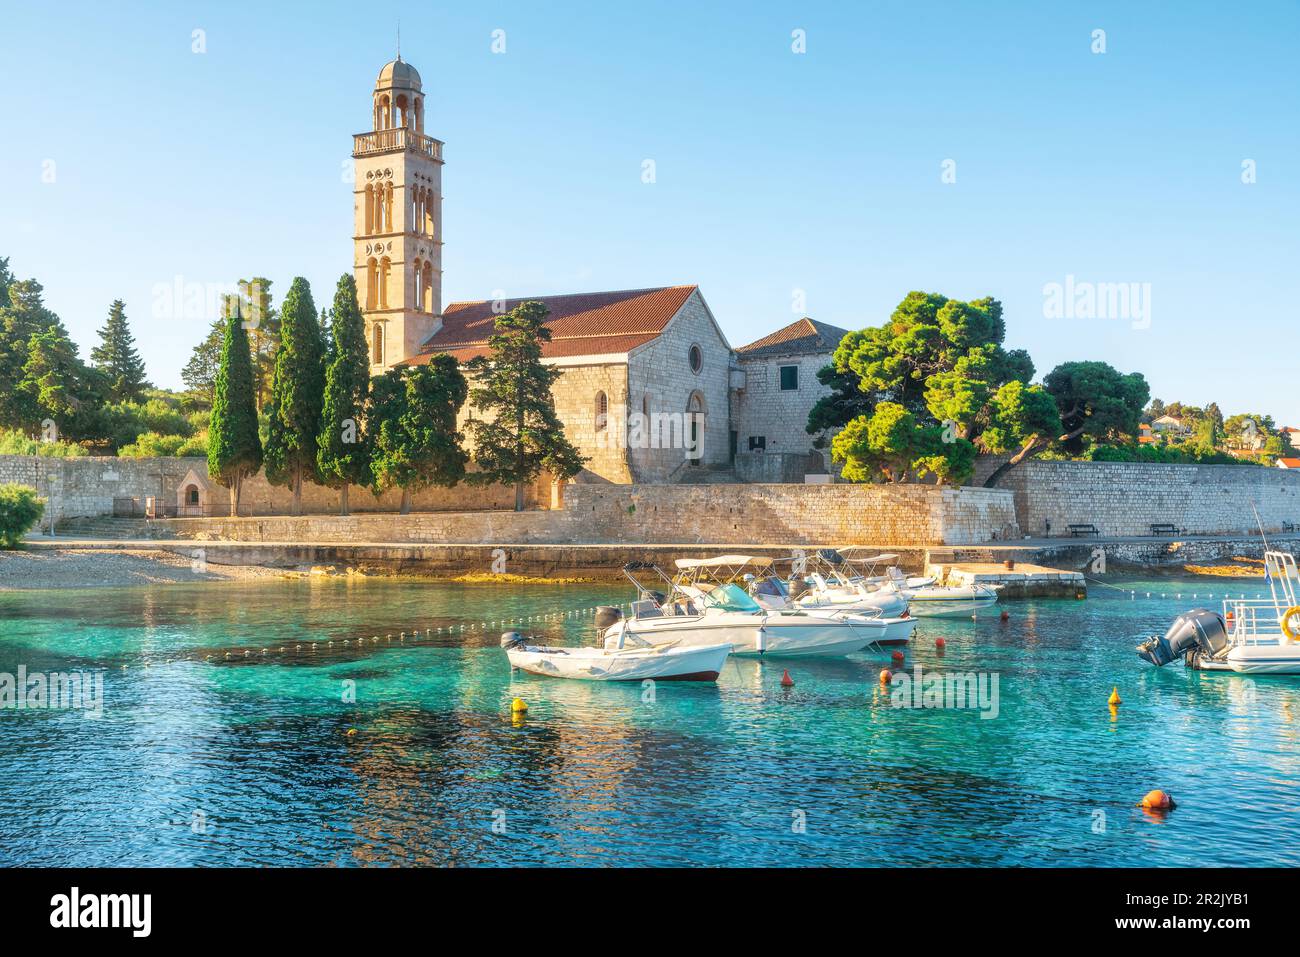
[731, 597]
[771, 587]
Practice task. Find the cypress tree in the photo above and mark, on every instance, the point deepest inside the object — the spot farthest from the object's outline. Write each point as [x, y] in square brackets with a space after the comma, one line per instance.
[234, 449]
[116, 357]
[342, 457]
[297, 391]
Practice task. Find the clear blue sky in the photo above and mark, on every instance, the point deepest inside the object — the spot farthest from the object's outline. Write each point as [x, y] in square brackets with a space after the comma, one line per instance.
[775, 171]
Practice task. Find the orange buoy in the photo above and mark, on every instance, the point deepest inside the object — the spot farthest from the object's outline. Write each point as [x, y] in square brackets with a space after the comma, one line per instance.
[897, 656]
[786, 680]
[1006, 615]
[1158, 800]
[940, 643]
[885, 676]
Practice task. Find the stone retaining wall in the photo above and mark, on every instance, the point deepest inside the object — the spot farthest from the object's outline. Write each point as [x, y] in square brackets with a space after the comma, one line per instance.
[1125, 498]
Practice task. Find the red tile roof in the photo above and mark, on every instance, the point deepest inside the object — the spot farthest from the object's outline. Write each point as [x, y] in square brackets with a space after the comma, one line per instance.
[800, 337]
[586, 323]
[1290, 463]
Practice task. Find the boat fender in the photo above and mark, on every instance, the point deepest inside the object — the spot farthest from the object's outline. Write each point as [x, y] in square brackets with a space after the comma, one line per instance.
[897, 656]
[1287, 618]
[940, 643]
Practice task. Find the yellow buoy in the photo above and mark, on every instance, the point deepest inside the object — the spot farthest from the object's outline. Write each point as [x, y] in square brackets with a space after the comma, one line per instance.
[1113, 700]
[351, 732]
[518, 706]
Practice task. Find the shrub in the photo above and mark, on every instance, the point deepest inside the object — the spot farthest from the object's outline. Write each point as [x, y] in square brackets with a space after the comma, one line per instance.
[14, 442]
[20, 510]
[152, 445]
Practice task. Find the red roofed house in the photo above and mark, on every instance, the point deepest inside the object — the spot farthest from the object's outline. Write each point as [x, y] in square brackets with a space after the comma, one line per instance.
[1285, 463]
[651, 390]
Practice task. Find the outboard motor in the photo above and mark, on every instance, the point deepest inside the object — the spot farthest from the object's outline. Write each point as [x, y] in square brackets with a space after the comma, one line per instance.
[512, 639]
[1199, 630]
[607, 615]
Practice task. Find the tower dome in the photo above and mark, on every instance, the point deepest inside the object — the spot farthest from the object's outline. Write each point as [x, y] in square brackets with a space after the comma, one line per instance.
[398, 73]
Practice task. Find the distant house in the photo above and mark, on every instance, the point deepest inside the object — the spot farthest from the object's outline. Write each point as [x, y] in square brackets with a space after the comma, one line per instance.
[1291, 436]
[1145, 435]
[1170, 423]
[1285, 463]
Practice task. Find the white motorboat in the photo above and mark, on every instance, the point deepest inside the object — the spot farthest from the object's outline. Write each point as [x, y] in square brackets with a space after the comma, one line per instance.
[886, 609]
[1253, 636]
[925, 598]
[665, 662]
[703, 613]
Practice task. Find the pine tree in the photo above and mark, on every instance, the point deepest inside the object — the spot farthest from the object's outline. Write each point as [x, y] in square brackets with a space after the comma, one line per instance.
[342, 457]
[412, 421]
[297, 390]
[524, 435]
[200, 373]
[116, 357]
[234, 449]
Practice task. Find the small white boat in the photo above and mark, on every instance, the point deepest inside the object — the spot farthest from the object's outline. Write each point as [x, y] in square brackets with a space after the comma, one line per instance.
[1253, 636]
[949, 601]
[886, 611]
[657, 662]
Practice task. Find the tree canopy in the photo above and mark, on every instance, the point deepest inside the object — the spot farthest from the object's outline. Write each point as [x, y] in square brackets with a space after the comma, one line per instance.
[234, 448]
[342, 457]
[297, 394]
[117, 359]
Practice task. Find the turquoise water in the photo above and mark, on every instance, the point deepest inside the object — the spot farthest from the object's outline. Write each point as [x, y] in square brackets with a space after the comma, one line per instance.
[200, 759]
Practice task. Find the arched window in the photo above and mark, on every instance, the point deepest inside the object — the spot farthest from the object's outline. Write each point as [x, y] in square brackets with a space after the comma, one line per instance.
[372, 281]
[370, 209]
[384, 265]
[388, 208]
[695, 421]
[427, 296]
[602, 411]
[377, 345]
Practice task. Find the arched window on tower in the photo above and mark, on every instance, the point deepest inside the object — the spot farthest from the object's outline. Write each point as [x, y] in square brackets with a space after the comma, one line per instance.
[372, 281]
[419, 114]
[427, 296]
[370, 209]
[388, 208]
[377, 345]
[399, 111]
[417, 279]
[384, 266]
[602, 411]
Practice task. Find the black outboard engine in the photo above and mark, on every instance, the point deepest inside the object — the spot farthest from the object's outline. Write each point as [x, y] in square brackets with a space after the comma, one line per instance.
[512, 639]
[607, 615]
[1199, 630]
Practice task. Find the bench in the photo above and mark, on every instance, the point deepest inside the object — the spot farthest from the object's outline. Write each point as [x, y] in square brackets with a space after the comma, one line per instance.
[1082, 529]
[1163, 528]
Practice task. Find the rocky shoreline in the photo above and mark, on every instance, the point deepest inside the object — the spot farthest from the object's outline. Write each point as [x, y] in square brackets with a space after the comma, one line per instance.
[57, 568]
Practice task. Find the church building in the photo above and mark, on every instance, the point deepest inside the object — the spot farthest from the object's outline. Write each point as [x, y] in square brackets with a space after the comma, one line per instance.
[652, 392]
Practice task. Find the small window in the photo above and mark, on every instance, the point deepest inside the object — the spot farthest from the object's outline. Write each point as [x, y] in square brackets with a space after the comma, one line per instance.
[757, 443]
[192, 495]
[789, 378]
[602, 411]
[697, 359]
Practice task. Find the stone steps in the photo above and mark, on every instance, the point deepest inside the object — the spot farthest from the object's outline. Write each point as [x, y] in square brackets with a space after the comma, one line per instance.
[107, 527]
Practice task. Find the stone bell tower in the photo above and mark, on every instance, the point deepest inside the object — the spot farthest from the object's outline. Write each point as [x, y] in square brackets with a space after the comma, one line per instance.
[397, 237]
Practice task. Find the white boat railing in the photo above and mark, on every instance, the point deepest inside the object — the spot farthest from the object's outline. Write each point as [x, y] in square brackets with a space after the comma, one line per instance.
[1258, 621]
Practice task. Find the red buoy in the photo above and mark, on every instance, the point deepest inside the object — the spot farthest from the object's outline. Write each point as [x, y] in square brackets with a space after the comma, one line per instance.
[939, 643]
[786, 680]
[897, 656]
[1006, 615]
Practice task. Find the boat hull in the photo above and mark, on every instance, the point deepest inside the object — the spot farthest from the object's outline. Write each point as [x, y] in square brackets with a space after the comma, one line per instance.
[694, 663]
[774, 636]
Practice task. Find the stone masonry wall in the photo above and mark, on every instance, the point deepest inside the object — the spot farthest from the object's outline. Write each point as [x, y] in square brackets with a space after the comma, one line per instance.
[86, 487]
[670, 515]
[781, 417]
[1125, 498]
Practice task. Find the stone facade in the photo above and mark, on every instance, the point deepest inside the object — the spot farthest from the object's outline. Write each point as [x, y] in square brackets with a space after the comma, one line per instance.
[1125, 498]
[774, 419]
[90, 487]
[687, 515]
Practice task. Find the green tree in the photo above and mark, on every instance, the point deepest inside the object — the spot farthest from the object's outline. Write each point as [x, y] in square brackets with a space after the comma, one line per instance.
[524, 435]
[262, 322]
[52, 378]
[22, 315]
[343, 457]
[412, 422]
[200, 372]
[1093, 401]
[117, 359]
[20, 510]
[297, 391]
[234, 448]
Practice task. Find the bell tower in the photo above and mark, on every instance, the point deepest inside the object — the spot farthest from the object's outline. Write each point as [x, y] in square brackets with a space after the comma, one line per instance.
[397, 212]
